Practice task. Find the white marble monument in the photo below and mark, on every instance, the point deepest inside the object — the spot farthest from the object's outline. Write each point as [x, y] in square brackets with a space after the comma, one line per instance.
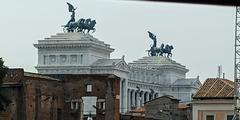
[141, 80]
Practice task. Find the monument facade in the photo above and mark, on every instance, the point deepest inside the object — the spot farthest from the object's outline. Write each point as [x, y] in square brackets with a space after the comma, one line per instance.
[77, 52]
[141, 80]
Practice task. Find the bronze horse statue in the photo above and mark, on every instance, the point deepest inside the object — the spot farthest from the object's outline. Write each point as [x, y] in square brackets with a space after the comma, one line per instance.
[81, 25]
[167, 51]
[78, 26]
[161, 51]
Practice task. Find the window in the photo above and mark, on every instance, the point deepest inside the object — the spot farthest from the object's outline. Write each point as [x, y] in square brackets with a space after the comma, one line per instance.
[89, 88]
[81, 59]
[73, 59]
[101, 104]
[74, 105]
[63, 59]
[229, 117]
[52, 59]
[210, 117]
[59, 113]
[44, 59]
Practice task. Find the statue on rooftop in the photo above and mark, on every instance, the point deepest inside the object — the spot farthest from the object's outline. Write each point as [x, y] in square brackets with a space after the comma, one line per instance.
[154, 38]
[81, 25]
[159, 51]
[72, 10]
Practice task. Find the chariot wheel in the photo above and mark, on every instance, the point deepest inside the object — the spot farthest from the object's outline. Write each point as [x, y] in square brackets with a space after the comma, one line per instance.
[149, 53]
[65, 29]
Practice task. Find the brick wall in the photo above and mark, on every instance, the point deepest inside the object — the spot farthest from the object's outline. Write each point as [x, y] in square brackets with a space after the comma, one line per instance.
[104, 86]
[38, 97]
[32, 96]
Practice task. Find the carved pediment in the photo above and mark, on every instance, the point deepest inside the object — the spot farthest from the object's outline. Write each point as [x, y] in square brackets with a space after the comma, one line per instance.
[122, 66]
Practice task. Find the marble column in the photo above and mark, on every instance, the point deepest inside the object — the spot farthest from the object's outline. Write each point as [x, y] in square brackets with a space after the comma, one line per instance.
[147, 96]
[150, 96]
[156, 95]
[133, 98]
[142, 98]
[121, 97]
[124, 95]
[129, 100]
[138, 98]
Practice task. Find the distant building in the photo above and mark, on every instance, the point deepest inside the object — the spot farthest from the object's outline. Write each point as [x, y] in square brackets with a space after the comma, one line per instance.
[163, 108]
[185, 111]
[134, 117]
[141, 80]
[214, 100]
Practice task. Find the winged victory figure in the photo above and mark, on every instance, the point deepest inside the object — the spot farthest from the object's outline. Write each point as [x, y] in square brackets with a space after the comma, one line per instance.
[72, 10]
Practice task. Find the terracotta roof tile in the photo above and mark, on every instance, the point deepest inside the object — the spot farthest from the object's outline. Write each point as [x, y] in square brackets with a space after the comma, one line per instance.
[138, 110]
[36, 75]
[183, 105]
[216, 88]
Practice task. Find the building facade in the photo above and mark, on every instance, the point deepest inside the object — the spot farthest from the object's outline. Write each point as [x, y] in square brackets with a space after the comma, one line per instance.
[163, 108]
[214, 100]
[141, 80]
[34, 96]
[92, 95]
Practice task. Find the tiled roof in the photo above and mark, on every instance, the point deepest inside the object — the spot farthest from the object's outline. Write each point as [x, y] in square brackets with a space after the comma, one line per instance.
[183, 106]
[164, 96]
[170, 97]
[214, 88]
[36, 75]
[138, 110]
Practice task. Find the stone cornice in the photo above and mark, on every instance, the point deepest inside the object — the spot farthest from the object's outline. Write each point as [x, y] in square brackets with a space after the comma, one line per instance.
[146, 86]
[76, 45]
[90, 68]
[146, 83]
[108, 68]
[160, 68]
[157, 63]
[143, 69]
[72, 40]
[185, 86]
[62, 67]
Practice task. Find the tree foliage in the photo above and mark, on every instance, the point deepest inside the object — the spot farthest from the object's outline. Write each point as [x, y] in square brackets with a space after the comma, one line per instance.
[4, 102]
[3, 70]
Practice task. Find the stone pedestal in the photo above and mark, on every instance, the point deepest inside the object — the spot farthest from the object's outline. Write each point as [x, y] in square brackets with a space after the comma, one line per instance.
[169, 69]
[70, 53]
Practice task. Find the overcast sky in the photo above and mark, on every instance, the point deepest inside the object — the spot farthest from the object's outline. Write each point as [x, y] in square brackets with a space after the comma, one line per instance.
[202, 35]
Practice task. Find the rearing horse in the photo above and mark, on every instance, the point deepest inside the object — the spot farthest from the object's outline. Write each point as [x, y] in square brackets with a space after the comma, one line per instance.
[167, 50]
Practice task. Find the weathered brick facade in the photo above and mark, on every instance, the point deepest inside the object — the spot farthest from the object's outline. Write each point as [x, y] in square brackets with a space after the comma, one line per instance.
[33, 96]
[38, 97]
[104, 87]
[163, 108]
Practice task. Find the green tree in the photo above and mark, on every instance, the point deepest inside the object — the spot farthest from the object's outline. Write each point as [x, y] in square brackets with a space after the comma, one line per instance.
[3, 70]
[4, 102]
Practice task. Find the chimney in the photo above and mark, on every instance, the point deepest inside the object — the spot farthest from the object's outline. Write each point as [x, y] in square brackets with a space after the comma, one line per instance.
[219, 71]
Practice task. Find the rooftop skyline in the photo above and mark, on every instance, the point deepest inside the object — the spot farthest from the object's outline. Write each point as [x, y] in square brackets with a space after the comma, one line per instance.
[202, 35]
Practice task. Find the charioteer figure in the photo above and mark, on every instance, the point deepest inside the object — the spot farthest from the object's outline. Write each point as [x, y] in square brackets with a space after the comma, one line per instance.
[72, 10]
